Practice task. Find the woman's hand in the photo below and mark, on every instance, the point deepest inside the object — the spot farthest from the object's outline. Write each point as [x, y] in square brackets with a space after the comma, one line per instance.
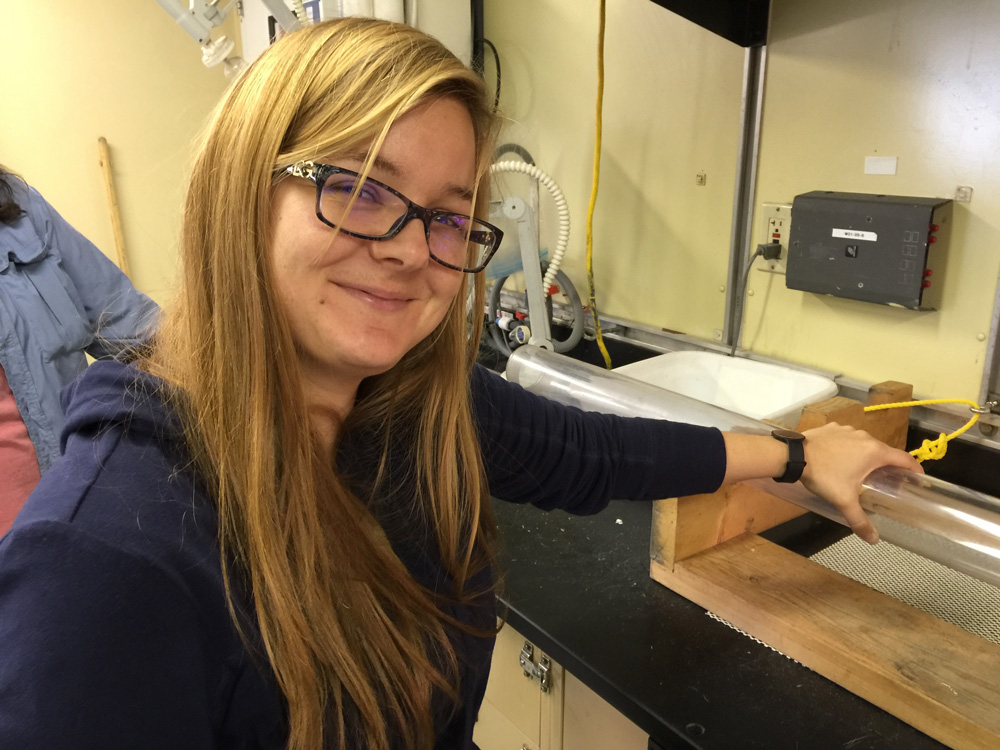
[838, 459]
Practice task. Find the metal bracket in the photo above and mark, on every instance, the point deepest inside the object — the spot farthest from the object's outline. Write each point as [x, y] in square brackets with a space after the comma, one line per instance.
[517, 210]
[539, 672]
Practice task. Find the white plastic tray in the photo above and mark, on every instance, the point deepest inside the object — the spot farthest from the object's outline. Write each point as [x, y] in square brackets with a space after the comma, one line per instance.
[755, 389]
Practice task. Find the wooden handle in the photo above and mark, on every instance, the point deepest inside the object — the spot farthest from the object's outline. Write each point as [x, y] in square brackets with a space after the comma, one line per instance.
[116, 219]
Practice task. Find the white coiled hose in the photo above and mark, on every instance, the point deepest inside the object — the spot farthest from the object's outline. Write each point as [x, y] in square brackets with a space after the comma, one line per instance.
[300, 12]
[563, 240]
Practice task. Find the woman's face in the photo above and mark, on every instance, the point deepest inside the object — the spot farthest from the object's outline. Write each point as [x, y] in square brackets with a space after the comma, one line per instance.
[357, 306]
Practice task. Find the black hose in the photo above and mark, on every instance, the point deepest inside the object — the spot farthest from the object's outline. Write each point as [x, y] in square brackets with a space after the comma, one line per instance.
[743, 306]
[576, 332]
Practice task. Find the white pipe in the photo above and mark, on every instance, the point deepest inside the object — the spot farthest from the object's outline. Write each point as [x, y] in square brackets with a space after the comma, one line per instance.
[561, 207]
[300, 12]
[953, 525]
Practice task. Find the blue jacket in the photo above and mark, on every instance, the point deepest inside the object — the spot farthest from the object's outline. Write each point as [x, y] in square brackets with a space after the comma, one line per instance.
[59, 297]
[114, 629]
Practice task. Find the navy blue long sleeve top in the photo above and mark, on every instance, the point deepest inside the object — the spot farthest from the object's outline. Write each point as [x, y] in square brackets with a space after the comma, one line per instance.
[114, 627]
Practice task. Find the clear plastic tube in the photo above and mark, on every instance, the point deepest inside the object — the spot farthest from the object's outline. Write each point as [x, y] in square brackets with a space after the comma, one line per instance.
[944, 522]
[590, 388]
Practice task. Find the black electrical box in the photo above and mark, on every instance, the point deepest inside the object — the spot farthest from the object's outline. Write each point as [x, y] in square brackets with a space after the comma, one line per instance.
[887, 249]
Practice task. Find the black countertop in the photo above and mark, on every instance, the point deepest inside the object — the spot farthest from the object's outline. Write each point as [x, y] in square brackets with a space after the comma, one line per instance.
[579, 589]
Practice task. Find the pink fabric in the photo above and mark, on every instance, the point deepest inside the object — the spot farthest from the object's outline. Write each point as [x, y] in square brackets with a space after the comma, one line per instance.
[18, 464]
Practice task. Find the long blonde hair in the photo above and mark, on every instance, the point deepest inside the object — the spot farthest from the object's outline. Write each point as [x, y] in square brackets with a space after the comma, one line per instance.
[357, 646]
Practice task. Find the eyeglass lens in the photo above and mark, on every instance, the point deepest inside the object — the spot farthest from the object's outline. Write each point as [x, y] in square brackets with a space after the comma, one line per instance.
[376, 211]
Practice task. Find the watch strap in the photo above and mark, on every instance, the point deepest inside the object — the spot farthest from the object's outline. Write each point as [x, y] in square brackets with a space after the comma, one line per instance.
[796, 455]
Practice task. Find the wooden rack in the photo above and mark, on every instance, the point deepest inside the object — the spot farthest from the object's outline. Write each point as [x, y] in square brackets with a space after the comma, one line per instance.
[931, 674]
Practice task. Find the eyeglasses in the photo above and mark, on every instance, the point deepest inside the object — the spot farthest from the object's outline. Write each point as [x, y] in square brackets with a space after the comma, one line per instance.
[379, 213]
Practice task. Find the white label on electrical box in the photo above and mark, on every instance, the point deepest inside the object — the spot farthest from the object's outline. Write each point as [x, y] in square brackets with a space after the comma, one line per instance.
[881, 164]
[854, 234]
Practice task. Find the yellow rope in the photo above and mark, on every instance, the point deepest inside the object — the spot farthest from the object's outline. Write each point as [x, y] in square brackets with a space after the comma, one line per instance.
[934, 449]
[593, 191]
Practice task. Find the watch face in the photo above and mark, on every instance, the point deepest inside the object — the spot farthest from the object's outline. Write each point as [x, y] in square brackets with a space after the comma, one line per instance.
[783, 434]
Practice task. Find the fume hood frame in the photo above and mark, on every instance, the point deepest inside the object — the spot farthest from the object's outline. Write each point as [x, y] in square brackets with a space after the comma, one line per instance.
[743, 22]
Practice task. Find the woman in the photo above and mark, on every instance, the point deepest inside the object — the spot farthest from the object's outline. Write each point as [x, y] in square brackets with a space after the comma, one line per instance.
[60, 299]
[274, 529]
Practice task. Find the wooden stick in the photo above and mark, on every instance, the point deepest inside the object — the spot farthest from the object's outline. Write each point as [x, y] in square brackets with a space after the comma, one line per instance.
[116, 219]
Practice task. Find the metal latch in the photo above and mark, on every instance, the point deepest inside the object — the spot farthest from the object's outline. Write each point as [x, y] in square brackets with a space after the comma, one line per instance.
[540, 671]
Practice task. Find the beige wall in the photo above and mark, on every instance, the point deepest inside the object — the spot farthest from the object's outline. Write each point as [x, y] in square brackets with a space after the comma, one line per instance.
[920, 81]
[671, 110]
[122, 69]
[845, 79]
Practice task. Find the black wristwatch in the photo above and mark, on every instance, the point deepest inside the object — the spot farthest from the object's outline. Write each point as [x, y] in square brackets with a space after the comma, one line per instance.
[796, 454]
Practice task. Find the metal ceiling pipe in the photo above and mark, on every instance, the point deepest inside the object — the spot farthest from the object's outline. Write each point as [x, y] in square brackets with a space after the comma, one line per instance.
[944, 522]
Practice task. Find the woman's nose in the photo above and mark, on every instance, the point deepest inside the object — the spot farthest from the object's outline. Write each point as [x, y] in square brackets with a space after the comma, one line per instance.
[409, 247]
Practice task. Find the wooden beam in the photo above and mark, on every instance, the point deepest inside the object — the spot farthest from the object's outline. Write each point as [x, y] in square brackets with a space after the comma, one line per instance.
[685, 526]
[837, 409]
[889, 425]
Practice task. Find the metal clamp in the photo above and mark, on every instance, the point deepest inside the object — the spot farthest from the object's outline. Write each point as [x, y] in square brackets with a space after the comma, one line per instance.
[540, 671]
[986, 408]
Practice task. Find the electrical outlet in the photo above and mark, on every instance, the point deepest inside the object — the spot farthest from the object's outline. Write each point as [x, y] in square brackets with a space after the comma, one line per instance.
[775, 222]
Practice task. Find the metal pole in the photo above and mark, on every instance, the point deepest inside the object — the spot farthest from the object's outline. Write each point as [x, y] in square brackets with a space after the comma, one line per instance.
[746, 183]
